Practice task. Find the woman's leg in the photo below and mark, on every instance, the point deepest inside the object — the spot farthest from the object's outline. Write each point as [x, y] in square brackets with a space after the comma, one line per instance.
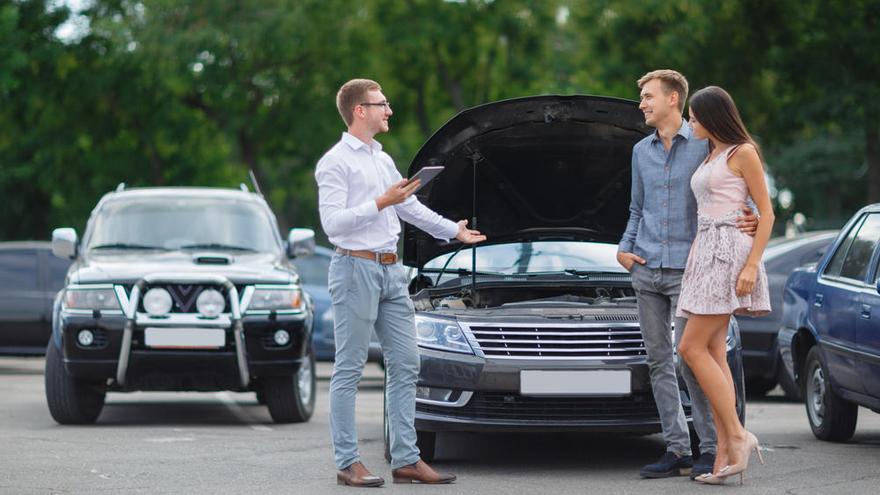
[702, 334]
[718, 351]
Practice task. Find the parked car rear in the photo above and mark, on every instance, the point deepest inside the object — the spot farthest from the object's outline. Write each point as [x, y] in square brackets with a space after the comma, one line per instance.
[830, 338]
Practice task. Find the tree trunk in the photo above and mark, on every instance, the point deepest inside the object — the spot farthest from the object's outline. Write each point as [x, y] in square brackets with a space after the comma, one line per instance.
[872, 158]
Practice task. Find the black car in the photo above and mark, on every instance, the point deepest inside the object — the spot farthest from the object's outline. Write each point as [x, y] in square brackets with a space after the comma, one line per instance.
[761, 362]
[29, 279]
[537, 329]
[183, 289]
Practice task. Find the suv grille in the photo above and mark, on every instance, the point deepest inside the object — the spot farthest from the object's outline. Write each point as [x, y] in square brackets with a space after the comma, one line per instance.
[584, 342]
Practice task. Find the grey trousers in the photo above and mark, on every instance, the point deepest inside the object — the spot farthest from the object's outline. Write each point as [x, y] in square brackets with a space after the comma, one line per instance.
[657, 291]
[367, 295]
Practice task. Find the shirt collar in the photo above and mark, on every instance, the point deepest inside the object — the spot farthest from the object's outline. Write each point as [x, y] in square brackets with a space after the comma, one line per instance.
[357, 144]
[684, 131]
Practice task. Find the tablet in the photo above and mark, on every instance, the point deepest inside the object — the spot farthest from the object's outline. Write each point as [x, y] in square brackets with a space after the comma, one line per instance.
[426, 174]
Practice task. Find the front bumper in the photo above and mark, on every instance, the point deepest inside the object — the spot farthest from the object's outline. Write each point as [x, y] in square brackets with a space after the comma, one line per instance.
[486, 397]
[120, 357]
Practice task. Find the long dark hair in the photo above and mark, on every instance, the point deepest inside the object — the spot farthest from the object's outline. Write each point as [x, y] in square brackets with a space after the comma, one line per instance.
[715, 110]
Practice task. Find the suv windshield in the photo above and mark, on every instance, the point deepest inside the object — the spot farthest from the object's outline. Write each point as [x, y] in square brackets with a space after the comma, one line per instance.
[183, 222]
[535, 257]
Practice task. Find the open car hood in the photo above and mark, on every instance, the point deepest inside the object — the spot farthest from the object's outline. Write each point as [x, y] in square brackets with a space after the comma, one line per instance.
[528, 169]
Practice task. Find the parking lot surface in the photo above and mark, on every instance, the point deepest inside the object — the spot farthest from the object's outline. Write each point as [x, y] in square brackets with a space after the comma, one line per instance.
[225, 442]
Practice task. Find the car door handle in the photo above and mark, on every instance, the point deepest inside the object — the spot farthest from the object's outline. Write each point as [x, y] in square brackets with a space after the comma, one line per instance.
[819, 300]
[866, 312]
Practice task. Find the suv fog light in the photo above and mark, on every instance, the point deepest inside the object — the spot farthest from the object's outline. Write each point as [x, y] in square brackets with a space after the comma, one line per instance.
[157, 302]
[282, 337]
[85, 338]
[210, 303]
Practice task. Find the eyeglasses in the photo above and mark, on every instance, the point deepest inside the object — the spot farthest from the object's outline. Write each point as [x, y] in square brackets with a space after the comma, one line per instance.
[385, 104]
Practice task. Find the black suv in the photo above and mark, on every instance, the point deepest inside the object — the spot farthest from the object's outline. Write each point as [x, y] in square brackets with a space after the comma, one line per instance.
[181, 289]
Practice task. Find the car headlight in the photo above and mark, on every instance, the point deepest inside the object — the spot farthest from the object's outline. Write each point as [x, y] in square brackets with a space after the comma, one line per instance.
[91, 299]
[157, 302]
[277, 299]
[436, 333]
[210, 303]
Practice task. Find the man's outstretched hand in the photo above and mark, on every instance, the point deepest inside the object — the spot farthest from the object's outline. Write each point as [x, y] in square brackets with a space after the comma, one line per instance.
[467, 235]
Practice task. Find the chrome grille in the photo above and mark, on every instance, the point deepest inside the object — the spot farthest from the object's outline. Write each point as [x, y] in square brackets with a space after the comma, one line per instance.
[576, 341]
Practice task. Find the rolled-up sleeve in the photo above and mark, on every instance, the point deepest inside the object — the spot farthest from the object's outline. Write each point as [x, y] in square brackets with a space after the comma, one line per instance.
[635, 210]
[336, 217]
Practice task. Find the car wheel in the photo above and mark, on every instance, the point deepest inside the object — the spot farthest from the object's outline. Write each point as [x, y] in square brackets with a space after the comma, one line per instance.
[71, 401]
[787, 383]
[831, 417]
[291, 399]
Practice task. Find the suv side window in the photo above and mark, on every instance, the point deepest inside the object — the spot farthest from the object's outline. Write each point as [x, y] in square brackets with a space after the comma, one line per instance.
[18, 269]
[836, 263]
[855, 265]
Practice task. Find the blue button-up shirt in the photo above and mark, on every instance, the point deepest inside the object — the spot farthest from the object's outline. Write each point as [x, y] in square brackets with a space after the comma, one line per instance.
[663, 211]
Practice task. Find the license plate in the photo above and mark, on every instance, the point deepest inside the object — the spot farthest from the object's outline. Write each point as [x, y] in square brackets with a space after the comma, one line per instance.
[568, 383]
[185, 338]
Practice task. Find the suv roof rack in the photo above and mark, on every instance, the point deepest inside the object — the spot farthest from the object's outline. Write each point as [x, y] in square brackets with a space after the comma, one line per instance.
[120, 187]
[243, 187]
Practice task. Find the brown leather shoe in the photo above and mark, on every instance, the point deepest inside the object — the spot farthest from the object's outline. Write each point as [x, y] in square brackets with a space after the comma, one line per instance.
[357, 475]
[420, 472]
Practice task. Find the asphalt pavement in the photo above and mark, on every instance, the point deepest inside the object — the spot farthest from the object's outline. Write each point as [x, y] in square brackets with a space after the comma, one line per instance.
[226, 443]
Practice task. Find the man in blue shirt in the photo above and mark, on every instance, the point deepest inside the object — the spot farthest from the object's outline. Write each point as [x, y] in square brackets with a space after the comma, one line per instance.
[654, 248]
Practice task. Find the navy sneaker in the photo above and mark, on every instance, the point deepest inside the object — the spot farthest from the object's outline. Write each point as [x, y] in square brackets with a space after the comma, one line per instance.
[669, 465]
[703, 464]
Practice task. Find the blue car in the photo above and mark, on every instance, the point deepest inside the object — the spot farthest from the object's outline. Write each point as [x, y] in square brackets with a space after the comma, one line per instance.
[830, 335]
[313, 270]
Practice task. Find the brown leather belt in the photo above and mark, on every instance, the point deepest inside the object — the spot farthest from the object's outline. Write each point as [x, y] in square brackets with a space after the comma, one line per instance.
[381, 258]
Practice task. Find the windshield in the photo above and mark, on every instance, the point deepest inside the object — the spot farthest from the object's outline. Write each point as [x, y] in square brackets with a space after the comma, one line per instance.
[313, 269]
[535, 257]
[183, 222]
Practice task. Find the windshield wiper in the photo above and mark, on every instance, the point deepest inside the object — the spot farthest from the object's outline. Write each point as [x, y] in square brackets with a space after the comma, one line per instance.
[126, 245]
[216, 245]
[467, 271]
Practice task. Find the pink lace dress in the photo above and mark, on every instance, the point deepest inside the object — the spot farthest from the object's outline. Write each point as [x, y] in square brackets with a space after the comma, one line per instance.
[720, 249]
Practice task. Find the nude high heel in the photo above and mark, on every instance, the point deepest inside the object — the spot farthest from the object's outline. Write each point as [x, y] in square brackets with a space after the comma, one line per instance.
[751, 444]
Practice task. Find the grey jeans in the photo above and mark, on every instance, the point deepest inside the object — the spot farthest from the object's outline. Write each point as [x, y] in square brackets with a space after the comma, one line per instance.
[367, 295]
[657, 291]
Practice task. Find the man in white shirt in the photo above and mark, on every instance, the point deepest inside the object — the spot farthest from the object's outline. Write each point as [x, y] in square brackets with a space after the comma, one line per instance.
[360, 197]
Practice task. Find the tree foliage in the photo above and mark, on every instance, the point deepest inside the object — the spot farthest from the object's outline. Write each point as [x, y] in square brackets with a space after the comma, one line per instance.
[162, 92]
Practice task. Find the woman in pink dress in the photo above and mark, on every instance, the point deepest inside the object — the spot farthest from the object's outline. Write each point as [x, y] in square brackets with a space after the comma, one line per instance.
[724, 274]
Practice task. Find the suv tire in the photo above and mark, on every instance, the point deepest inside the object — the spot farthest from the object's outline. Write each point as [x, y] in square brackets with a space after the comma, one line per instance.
[291, 399]
[71, 401]
[831, 418]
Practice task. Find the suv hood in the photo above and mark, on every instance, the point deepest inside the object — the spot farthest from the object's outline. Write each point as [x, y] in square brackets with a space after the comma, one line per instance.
[239, 268]
[533, 168]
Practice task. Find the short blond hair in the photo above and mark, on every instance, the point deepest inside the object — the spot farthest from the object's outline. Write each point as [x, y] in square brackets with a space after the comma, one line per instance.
[670, 80]
[352, 94]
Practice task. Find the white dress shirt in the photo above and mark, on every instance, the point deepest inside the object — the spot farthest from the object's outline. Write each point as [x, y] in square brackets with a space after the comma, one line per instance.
[351, 175]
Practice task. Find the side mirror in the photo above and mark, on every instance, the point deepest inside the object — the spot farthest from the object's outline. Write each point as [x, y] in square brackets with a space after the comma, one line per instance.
[64, 242]
[300, 242]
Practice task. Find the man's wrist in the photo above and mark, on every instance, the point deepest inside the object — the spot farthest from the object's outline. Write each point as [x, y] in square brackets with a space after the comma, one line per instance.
[381, 203]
